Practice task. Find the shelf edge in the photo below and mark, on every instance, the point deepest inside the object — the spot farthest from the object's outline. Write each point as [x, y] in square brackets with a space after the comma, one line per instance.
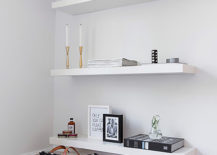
[90, 144]
[65, 3]
[136, 70]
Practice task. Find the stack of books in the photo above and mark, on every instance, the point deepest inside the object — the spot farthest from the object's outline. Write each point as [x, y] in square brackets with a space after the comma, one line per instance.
[67, 134]
[166, 144]
[111, 63]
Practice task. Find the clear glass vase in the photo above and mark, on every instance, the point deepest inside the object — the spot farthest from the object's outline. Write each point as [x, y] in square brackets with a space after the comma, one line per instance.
[155, 132]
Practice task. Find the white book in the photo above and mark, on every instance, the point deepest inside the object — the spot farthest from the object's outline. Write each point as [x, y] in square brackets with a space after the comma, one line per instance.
[111, 63]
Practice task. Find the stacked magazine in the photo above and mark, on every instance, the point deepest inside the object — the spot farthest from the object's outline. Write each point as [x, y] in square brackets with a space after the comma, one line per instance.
[111, 63]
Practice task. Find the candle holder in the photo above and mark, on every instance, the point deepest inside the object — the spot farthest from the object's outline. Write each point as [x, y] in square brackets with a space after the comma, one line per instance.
[154, 56]
[67, 57]
[81, 62]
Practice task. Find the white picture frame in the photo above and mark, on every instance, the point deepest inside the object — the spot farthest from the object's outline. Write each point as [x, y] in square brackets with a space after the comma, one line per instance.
[95, 120]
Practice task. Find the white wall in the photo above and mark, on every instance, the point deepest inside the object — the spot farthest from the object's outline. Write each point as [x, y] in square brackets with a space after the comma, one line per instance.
[26, 88]
[177, 28]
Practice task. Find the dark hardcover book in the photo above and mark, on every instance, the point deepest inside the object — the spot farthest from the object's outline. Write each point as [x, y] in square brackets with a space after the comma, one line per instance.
[166, 144]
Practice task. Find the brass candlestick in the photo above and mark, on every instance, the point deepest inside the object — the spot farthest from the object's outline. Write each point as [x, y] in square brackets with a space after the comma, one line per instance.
[81, 49]
[67, 57]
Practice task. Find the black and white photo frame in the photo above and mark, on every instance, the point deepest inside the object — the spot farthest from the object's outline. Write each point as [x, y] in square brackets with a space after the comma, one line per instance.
[113, 128]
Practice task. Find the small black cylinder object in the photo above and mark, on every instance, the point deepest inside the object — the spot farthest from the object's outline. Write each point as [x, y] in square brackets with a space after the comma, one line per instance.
[154, 56]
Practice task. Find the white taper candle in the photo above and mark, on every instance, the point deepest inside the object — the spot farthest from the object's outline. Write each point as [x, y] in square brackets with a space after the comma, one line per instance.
[67, 35]
[80, 35]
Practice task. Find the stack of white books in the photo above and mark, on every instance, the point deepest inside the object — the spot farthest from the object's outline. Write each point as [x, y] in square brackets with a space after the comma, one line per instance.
[111, 63]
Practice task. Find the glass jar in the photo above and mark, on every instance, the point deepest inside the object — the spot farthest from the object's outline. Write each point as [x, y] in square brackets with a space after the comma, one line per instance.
[155, 132]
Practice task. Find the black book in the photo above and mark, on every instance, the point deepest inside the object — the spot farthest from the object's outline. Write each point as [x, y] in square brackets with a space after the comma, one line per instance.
[165, 144]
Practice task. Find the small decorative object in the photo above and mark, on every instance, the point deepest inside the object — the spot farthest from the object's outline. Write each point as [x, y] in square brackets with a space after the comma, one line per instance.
[81, 47]
[71, 126]
[95, 120]
[154, 55]
[67, 132]
[155, 132]
[113, 128]
[70, 133]
[67, 46]
[173, 60]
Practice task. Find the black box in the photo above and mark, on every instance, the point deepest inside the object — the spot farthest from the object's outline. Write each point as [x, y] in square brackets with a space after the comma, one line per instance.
[166, 144]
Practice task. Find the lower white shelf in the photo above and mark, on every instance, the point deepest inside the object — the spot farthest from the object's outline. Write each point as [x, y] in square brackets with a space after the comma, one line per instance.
[134, 70]
[98, 145]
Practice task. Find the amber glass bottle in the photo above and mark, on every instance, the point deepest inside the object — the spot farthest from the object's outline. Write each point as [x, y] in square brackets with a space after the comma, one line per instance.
[71, 126]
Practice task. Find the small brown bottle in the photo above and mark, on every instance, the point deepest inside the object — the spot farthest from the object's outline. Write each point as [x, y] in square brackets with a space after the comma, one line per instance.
[71, 126]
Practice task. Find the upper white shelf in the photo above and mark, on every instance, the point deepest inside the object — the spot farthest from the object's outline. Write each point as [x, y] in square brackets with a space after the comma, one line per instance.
[98, 145]
[76, 7]
[145, 69]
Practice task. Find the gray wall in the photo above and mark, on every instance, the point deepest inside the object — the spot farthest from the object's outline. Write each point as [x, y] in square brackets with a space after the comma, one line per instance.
[26, 88]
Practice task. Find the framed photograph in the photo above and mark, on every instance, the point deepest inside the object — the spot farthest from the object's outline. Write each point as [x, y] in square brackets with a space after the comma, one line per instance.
[95, 120]
[113, 128]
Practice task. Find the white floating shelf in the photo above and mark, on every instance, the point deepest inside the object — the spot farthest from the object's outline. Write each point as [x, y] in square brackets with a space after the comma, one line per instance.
[145, 69]
[76, 7]
[98, 145]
